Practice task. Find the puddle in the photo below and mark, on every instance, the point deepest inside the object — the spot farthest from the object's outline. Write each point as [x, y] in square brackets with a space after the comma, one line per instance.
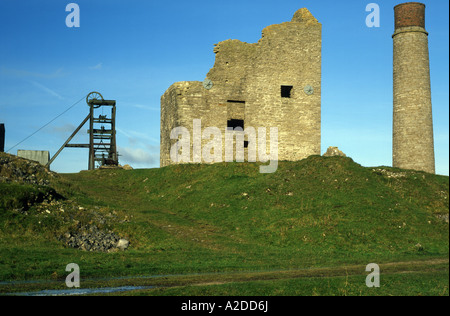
[68, 292]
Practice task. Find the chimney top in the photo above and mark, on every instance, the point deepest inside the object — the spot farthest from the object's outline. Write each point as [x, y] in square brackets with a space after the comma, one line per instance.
[409, 14]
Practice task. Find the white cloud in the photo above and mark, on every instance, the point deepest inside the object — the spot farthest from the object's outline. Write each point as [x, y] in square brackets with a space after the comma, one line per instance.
[145, 107]
[96, 67]
[64, 131]
[137, 137]
[46, 89]
[138, 157]
[66, 128]
[141, 106]
[26, 74]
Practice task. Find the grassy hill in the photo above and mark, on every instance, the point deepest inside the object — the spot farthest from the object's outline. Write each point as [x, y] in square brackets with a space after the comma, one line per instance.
[318, 213]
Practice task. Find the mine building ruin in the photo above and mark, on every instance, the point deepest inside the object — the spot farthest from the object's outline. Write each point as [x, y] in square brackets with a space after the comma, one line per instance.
[275, 82]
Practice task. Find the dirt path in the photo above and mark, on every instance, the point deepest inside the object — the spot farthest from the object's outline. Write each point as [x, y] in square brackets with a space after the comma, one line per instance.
[205, 279]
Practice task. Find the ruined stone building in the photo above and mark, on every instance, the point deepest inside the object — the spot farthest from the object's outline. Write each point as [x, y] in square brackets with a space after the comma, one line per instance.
[275, 82]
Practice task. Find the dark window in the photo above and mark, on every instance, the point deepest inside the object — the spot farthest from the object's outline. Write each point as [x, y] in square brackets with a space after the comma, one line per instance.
[286, 91]
[246, 143]
[232, 124]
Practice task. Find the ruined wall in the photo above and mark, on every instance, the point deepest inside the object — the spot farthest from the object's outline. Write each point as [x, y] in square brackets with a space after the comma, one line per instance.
[413, 144]
[247, 85]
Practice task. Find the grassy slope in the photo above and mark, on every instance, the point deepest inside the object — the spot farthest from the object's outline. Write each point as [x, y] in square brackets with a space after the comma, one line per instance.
[318, 212]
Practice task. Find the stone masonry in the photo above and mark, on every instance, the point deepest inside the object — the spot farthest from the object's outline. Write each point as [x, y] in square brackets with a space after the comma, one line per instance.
[275, 82]
[413, 144]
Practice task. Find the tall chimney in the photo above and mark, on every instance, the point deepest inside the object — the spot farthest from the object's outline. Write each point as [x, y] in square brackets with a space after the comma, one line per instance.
[413, 143]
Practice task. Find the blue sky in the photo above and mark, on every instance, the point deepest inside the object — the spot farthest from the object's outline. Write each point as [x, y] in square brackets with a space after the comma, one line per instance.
[132, 51]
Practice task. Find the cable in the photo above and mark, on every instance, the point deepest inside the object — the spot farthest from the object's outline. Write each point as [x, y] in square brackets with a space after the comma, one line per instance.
[47, 124]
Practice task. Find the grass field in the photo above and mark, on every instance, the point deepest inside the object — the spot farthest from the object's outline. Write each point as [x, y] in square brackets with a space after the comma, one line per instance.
[226, 229]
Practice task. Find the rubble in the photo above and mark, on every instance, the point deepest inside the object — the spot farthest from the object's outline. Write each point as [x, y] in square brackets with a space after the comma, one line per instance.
[20, 170]
[334, 151]
[76, 226]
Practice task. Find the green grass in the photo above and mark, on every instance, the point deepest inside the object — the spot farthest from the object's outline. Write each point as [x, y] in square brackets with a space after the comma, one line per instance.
[20, 196]
[318, 212]
[415, 283]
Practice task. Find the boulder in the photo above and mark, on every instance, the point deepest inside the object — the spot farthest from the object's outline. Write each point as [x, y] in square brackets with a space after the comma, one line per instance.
[122, 244]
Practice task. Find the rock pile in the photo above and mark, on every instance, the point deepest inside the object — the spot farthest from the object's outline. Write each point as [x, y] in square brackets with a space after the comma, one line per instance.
[389, 174]
[82, 228]
[87, 229]
[124, 167]
[334, 151]
[16, 169]
[91, 238]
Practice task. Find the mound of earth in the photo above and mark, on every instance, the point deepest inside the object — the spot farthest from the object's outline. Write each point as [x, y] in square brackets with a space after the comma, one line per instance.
[20, 170]
[25, 190]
